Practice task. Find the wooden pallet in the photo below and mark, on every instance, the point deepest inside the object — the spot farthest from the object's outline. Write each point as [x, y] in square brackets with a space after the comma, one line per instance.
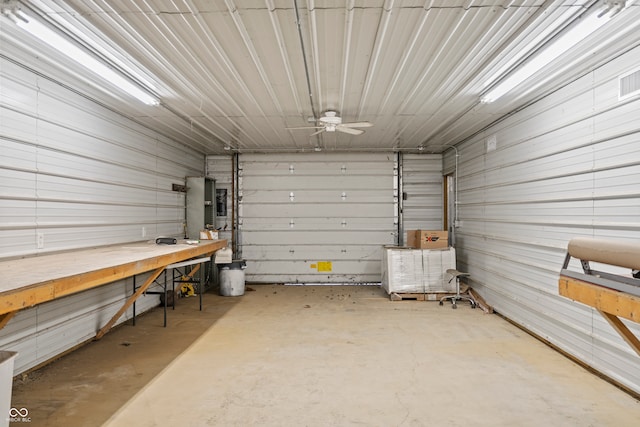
[430, 296]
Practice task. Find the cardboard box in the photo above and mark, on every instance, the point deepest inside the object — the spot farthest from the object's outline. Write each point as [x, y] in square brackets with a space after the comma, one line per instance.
[428, 239]
[208, 235]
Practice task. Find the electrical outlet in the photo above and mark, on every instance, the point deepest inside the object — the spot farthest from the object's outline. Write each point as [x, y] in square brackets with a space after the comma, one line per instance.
[144, 231]
[40, 240]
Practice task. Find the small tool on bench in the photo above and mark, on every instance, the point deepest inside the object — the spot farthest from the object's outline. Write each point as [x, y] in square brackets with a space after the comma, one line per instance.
[166, 241]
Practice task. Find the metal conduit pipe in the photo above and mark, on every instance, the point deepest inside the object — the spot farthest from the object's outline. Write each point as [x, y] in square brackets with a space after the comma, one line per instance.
[304, 59]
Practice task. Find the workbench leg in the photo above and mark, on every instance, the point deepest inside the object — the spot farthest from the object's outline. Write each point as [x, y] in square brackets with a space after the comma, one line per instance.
[129, 301]
[133, 291]
[165, 297]
[201, 287]
[173, 287]
[622, 329]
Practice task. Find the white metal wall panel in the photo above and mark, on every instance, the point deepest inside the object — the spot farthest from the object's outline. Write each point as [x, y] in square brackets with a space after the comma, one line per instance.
[302, 213]
[566, 166]
[422, 188]
[80, 175]
[47, 330]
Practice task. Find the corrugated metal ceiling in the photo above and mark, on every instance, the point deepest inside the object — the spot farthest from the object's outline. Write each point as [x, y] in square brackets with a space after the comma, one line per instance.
[233, 72]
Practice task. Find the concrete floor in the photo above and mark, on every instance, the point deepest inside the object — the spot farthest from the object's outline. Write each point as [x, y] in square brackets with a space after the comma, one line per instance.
[319, 356]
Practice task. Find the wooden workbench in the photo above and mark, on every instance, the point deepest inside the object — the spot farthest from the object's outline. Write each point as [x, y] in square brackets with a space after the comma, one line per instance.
[612, 304]
[37, 279]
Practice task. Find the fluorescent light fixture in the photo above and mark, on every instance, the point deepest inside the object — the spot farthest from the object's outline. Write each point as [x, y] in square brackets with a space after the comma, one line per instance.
[82, 57]
[550, 53]
[544, 33]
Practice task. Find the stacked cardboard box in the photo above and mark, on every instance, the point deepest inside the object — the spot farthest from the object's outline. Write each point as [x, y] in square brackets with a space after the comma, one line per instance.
[427, 239]
[417, 270]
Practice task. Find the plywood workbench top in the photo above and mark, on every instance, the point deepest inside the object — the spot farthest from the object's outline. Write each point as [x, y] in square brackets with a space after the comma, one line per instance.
[63, 273]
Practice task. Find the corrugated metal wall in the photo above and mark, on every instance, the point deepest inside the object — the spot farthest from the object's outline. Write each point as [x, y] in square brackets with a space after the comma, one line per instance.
[566, 166]
[422, 186]
[75, 174]
[420, 179]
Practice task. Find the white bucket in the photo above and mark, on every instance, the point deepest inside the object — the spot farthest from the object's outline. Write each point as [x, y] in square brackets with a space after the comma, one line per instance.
[6, 385]
[232, 279]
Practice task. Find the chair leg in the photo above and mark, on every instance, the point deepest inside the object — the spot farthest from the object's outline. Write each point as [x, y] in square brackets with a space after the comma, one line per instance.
[458, 297]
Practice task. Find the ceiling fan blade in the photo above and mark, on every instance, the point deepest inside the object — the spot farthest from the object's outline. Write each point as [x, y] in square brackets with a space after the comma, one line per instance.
[349, 130]
[357, 125]
[322, 129]
[306, 127]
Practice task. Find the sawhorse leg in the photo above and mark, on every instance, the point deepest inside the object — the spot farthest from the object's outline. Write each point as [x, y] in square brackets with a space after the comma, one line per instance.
[129, 302]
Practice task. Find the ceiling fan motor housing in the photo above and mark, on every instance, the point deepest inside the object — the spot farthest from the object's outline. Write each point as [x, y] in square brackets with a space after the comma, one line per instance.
[330, 120]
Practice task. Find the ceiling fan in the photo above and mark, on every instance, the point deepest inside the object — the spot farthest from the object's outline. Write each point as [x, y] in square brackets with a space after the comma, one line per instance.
[331, 122]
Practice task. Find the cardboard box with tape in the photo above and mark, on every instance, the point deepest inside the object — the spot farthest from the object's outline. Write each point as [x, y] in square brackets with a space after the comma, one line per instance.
[428, 239]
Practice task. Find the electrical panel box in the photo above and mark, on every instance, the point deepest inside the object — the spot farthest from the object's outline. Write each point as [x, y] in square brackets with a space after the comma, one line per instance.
[200, 206]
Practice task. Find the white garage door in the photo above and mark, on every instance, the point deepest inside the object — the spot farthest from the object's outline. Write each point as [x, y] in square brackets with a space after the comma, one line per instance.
[316, 217]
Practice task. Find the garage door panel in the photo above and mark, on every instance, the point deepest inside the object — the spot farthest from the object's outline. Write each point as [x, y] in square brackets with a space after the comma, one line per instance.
[323, 210]
[279, 252]
[315, 196]
[319, 237]
[319, 268]
[316, 209]
[338, 225]
[310, 168]
[295, 182]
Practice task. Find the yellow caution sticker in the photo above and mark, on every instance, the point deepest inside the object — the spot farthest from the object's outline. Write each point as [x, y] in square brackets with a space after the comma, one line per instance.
[324, 266]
